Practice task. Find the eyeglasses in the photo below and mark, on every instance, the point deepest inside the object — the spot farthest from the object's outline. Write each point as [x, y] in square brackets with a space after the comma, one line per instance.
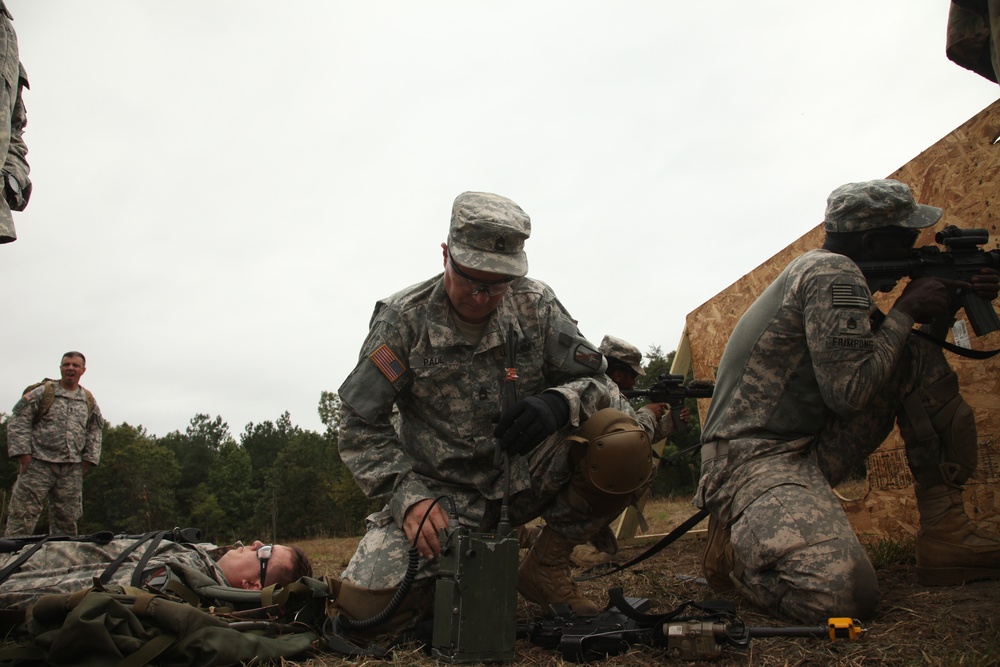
[264, 555]
[479, 285]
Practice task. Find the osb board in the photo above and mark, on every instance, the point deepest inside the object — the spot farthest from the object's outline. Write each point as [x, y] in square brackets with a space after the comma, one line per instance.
[961, 174]
[887, 505]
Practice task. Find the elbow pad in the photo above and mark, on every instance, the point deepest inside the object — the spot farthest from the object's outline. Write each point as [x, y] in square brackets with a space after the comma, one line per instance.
[573, 354]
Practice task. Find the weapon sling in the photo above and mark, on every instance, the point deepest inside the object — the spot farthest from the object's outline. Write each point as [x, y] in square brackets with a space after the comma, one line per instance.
[664, 542]
[960, 351]
[13, 567]
[155, 538]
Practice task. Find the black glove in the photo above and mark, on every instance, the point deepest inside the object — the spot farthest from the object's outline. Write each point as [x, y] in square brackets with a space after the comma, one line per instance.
[530, 421]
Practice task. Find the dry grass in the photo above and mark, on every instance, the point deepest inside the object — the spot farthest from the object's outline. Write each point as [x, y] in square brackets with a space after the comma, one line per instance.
[931, 627]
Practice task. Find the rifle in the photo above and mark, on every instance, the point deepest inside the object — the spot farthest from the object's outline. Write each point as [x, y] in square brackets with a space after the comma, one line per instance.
[36, 542]
[961, 260]
[14, 544]
[701, 636]
[669, 388]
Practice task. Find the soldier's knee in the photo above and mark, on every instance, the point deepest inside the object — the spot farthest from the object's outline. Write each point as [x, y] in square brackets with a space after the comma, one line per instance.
[612, 461]
[851, 591]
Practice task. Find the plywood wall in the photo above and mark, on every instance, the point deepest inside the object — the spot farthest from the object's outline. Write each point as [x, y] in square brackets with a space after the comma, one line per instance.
[961, 174]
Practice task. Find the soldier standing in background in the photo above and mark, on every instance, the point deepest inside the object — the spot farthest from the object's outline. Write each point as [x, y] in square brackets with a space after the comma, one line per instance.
[55, 434]
[16, 184]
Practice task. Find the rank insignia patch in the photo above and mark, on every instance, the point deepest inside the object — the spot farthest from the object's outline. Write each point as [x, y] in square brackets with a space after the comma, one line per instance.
[849, 295]
[850, 325]
[387, 362]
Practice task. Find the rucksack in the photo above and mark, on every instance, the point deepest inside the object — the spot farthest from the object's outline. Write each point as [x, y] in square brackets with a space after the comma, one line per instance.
[116, 625]
[181, 616]
[49, 397]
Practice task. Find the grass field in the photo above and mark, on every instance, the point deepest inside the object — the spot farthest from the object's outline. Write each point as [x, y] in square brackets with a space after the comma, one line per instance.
[930, 627]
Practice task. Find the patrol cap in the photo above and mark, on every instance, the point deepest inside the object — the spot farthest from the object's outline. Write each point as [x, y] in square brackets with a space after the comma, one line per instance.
[615, 349]
[859, 207]
[488, 233]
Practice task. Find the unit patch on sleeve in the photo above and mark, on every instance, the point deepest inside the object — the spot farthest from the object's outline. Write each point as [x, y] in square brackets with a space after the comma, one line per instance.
[850, 295]
[387, 362]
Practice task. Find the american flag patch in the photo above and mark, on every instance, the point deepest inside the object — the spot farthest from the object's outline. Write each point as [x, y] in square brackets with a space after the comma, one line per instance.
[588, 357]
[850, 295]
[387, 362]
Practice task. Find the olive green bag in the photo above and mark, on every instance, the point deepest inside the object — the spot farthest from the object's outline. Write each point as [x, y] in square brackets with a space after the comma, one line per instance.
[129, 628]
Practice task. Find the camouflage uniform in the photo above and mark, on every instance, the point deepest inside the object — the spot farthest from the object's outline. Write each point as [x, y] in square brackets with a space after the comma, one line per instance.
[447, 392]
[64, 437]
[974, 36]
[66, 567]
[809, 385]
[621, 351]
[16, 186]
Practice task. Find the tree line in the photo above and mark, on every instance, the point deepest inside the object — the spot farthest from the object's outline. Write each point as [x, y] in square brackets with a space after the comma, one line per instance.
[275, 482]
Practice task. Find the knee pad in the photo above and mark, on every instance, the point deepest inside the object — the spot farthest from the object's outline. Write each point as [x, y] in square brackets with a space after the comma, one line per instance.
[939, 429]
[611, 454]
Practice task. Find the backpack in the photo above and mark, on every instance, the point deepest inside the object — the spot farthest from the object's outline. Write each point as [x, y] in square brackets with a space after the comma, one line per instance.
[49, 397]
[116, 625]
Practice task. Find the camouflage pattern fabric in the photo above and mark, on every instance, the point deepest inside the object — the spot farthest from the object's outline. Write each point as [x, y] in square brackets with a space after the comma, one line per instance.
[16, 186]
[64, 437]
[623, 351]
[446, 393]
[488, 232]
[974, 36]
[62, 483]
[875, 204]
[660, 428]
[806, 390]
[66, 567]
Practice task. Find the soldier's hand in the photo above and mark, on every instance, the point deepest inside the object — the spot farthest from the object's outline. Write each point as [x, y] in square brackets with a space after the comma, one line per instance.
[24, 460]
[657, 409]
[986, 285]
[926, 299]
[428, 544]
[531, 420]
[685, 415]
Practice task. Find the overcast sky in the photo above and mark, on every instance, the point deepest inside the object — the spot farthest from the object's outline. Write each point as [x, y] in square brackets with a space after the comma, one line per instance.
[224, 188]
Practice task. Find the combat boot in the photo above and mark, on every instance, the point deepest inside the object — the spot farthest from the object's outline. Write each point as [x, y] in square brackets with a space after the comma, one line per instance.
[526, 535]
[950, 549]
[718, 560]
[544, 577]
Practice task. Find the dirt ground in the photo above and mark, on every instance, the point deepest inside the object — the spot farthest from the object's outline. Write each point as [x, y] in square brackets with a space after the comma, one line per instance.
[914, 625]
